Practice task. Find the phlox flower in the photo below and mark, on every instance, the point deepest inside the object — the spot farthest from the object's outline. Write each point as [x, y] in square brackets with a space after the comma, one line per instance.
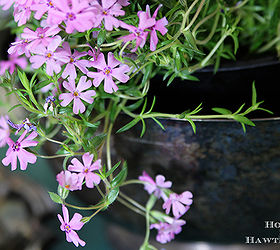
[27, 3]
[49, 103]
[168, 229]
[86, 169]
[106, 72]
[4, 130]
[26, 124]
[11, 64]
[106, 11]
[70, 181]
[76, 94]
[123, 2]
[22, 14]
[158, 26]
[177, 202]
[42, 36]
[69, 227]
[19, 47]
[16, 150]
[6, 4]
[41, 7]
[155, 187]
[73, 62]
[139, 34]
[74, 13]
[49, 56]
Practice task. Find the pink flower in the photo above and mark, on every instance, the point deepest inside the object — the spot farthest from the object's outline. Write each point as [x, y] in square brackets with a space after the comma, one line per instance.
[158, 26]
[4, 130]
[41, 7]
[168, 229]
[139, 34]
[11, 64]
[70, 181]
[16, 150]
[123, 2]
[48, 55]
[40, 36]
[74, 13]
[177, 203]
[69, 226]
[27, 3]
[73, 60]
[6, 4]
[106, 12]
[155, 187]
[86, 169]
[76, 94]
[108, 71]
[22, 14]
[19, 47]
[26, 124]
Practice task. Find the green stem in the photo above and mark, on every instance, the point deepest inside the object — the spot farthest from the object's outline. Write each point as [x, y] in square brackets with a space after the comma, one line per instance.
[151, 202]
[269, 45]
[118, 42]
[136, 210]
[212, 32]
[129, 182]
[84, 208]
[54, 156]
[108, 148]
[133, 202]
[204, 62]
[195, 15]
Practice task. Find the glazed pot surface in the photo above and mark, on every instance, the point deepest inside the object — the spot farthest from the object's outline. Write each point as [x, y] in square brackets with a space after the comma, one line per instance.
[234, 177]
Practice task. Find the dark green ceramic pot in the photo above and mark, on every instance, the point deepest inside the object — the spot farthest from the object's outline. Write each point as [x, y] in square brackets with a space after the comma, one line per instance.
[234, 176]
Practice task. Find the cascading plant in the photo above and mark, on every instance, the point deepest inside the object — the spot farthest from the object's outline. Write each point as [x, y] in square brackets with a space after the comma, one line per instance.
[77, 64]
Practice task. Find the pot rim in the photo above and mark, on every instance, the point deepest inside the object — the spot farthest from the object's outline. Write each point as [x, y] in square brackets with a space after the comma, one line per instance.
[223, 120]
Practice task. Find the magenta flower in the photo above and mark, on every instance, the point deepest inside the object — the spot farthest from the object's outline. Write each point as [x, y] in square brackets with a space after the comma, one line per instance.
[11, 64]
[76, 94]
[106, 12]
[6, 4]
[108, 71]
[86, 169]
[26, 124]
[22, 14]
[19, 47]
[177, 203]
[41, 7]
[168, 229]
[4, 130]
[69, 226]
[49, 103]
[158, 26]
[155, 187]
[70, 181]
[74, 13]
[16, 150]
[48, 55]
[73, 62]
[40, 36]
[139, 34]
[123, 2]
[27, 3]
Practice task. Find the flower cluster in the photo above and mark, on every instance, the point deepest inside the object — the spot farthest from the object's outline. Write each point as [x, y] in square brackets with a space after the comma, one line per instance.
[83, 52]
[180, 204]
[16, 149]
[85, 171]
